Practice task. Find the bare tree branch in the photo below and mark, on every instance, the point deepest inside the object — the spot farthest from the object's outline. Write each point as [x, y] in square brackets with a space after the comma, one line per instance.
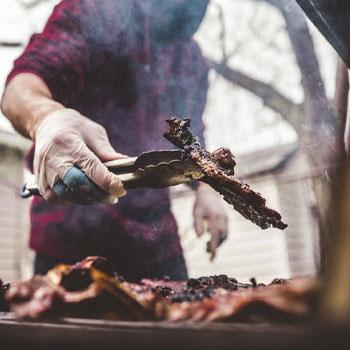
[222, 35]
[273, 99]
[319, 114]
[10, 44]
[323, 129]
[32, 3]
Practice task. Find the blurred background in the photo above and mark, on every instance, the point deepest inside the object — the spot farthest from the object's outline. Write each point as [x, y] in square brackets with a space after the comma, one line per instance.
[271, 74]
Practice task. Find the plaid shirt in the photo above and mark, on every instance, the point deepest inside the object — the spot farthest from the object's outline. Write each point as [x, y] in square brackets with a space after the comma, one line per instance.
[101, 58]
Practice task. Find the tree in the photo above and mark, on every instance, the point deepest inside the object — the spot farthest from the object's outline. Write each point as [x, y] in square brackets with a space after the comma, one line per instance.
[315, 120]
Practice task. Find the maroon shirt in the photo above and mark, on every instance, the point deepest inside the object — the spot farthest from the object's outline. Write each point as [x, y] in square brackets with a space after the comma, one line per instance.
[104, 59]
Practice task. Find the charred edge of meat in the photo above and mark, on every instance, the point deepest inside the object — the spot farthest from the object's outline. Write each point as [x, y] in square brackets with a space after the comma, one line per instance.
[190, 295]
[3, 303]
[221, 281]
[164, 291]
[198, 289]
[255, 284]
[225, 159]
[280, 281]
[205, 287]
[247, 202]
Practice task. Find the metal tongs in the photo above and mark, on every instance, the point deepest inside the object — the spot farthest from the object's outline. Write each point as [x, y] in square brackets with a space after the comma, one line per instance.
[153, 169]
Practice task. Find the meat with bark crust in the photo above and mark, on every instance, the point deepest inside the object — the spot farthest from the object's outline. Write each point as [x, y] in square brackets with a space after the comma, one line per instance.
[207, 298]
[292, 301]
[218, 170]
[89, 288]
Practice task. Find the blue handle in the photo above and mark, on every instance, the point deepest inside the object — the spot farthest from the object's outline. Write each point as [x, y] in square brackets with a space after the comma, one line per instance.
[75, 187]
[78, 188]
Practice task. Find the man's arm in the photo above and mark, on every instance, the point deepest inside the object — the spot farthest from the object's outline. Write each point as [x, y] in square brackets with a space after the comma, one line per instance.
[26, 102]
[63, 137]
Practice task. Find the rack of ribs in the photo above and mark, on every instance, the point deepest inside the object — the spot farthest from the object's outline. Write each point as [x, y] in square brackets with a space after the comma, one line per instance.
[218, 170]
[92, 289]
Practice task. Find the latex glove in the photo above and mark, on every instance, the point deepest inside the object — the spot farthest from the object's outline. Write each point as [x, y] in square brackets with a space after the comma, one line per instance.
[209, 214]
[65, 139]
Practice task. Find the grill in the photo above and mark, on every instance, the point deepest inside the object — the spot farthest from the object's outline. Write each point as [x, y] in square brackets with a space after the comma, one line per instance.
[75, 333]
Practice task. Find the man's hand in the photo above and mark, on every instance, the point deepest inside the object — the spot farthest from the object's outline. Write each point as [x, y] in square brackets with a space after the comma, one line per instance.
[209, 211]
[66, 139]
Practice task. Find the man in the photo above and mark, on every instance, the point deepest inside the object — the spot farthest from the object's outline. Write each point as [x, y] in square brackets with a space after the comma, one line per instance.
[103, 76]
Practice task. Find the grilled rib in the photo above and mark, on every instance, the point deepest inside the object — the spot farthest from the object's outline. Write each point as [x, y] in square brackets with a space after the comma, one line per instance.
[247, 202]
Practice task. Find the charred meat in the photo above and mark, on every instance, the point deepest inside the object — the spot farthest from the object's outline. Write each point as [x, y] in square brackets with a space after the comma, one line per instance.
[290, 302]
[99, 294]
[218, 168]
[89, 288]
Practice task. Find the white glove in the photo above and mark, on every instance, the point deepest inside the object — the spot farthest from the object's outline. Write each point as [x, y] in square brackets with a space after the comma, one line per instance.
[65, 139]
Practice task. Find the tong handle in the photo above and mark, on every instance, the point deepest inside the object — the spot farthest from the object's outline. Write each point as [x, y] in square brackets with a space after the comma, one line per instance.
[30, 188]
[120, 163]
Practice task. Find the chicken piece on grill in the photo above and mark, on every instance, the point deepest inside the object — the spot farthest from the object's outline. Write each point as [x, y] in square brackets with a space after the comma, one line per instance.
[218, 168]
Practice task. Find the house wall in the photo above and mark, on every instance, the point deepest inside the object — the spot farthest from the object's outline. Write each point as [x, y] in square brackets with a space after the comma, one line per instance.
[13, 215]
[297, 201]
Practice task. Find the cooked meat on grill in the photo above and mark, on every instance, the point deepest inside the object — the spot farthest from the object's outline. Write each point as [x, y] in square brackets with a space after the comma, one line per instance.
[291, 301]
[34, 298]
[81, 289]
[3, 303]
[221, 281]
[85, 291]
[218, 168]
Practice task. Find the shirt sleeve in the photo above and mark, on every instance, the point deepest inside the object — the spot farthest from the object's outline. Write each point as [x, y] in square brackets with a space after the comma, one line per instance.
[60, 55]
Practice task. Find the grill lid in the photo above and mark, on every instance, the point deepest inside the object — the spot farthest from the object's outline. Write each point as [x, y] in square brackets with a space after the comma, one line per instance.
[332, 18]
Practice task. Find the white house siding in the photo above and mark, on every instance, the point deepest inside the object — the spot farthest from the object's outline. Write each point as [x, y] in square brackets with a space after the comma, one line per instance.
[297, 200]
[248, 252]
[13, 215]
